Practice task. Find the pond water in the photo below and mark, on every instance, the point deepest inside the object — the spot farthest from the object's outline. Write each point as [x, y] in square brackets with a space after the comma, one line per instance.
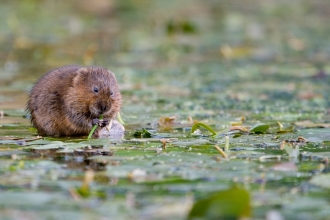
[256, 73]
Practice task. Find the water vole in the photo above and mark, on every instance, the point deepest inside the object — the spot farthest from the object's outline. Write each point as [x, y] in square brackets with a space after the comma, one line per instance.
[67, 101]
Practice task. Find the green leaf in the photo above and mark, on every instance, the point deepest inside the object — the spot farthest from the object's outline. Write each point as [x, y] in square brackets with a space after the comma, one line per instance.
[259, 128]
[144, 133]
[233, 203]
[199, 124]
[120, 118]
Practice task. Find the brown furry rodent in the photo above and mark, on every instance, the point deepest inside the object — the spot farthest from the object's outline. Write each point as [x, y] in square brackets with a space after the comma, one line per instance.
[67, 101]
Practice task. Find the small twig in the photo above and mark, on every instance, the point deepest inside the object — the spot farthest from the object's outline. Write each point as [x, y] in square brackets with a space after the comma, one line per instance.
[74, 194]
[226, 143]
[108, 127]
[221, 151]
[88, 178]
[163, 143]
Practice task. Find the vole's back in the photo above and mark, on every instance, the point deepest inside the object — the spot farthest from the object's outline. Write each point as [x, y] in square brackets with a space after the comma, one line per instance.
[46, 102]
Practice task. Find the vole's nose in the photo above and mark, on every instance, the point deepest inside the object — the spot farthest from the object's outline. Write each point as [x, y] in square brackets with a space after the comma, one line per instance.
[102, 108]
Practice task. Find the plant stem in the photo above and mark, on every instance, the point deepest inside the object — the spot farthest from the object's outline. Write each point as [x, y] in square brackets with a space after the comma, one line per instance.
[93, 129]
[120, 119]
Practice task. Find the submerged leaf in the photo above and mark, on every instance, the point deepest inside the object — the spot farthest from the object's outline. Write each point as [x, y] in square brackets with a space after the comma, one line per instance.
[233, 203]
[290, 166]
[322, 180]
[85, 190]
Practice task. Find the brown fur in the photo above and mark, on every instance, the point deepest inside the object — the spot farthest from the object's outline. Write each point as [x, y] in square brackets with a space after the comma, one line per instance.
[63, 102]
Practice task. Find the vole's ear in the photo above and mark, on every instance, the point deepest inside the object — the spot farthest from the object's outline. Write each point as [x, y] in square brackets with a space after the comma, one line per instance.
[82, 76]
[112, 74]
[114, 80]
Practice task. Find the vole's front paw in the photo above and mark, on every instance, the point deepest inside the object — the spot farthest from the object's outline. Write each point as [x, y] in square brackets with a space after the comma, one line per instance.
[100, 122]
[95, 121]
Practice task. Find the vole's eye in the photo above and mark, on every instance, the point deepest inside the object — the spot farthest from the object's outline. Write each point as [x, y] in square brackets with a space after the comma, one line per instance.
[96, 90]
[111, 93]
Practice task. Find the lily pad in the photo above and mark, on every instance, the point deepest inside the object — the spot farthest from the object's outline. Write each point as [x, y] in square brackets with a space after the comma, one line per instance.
[259, 128]
[144, 133]
[227, 204]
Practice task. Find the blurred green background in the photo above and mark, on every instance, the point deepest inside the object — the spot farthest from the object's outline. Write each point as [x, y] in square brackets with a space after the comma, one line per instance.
[204, 45]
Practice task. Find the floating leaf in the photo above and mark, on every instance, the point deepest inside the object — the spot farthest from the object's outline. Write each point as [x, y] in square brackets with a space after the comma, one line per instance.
[240, 128]
[283, 131]
[227, 204]
[52, 145]
[199, 124]
[14, 113]
[259, 128]
[186, 27]
[39, 142]
[166, 121]
[8, 141]
[144, 133]
[237, 135]
[310, 124]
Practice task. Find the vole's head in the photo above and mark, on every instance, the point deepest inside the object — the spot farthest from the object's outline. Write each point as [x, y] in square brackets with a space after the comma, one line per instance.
[96, 92]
